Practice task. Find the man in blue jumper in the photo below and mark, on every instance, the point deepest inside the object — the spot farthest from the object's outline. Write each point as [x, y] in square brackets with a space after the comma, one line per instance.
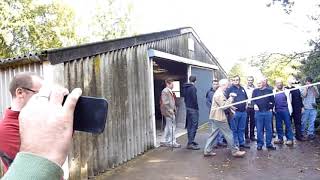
[191, 100]
[238, 122]
[263, 114]
[283, 110]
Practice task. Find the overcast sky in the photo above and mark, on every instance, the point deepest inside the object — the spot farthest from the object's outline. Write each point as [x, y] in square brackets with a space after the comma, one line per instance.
[231, 29]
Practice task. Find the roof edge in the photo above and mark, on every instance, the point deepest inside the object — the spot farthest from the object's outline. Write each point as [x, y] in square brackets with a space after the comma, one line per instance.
[60, 55]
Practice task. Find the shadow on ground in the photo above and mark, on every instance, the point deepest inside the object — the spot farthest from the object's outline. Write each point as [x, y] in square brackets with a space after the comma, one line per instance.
[301, 161]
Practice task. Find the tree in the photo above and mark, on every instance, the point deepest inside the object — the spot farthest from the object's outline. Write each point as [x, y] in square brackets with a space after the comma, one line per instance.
[243, 68]
[237, 69]
[277, 65]
[111, 20]
[34, 26]
[286, 5]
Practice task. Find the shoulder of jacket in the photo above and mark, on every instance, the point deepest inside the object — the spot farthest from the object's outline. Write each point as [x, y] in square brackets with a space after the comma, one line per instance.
[165, 90]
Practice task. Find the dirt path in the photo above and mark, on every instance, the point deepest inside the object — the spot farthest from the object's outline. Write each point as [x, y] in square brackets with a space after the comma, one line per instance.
[286, 163]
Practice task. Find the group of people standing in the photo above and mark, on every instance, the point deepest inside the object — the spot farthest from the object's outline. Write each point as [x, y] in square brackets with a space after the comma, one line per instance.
[234, 117]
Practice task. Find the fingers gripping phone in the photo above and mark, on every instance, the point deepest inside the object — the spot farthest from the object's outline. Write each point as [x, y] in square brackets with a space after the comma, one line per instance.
[90, 114]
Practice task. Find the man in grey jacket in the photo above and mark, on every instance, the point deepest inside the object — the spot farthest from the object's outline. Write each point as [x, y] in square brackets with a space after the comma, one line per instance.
[168, 110]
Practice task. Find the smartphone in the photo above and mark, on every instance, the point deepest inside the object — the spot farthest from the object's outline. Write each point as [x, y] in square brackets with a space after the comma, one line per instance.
[90, 114]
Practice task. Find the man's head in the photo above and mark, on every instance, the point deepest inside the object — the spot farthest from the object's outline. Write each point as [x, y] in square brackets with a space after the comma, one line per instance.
[279, 83]
[231, 81]
[292, 80]
[223, 84]
[192, 79]
[22, 87]
[215, 84]
[236, 80]
[262, 82]
[250, 80]
[169, 83]
[309, 80]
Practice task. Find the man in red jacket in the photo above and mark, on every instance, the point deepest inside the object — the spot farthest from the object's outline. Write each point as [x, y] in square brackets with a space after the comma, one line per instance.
[22, 87]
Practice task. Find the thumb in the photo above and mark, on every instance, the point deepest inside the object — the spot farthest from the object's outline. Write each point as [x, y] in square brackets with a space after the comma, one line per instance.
[70, 103]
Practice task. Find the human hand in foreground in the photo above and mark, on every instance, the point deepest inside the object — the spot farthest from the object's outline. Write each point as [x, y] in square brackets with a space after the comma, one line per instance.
[46, 126]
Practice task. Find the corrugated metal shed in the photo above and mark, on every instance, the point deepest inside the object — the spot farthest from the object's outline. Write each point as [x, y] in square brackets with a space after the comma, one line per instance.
[121, 71]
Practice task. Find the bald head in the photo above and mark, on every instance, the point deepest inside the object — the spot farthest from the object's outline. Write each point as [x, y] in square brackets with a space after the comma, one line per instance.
[22, 87]
[22, 80]
[262, 82]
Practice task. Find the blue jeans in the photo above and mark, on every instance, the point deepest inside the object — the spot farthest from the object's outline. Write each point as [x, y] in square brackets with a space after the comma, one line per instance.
[308, 117]
[284, 116]
[223, 127]
[263, 122]
[192, 124]
[238, 125]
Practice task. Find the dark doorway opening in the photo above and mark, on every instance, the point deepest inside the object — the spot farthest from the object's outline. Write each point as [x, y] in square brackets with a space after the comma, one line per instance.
[163, 69]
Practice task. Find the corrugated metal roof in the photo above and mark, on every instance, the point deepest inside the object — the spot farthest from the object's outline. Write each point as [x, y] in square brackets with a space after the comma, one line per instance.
[60, 55]
[26, 59]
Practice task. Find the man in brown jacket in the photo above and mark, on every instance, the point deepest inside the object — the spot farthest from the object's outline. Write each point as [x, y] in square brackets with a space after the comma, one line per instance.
[168, 110]
[219, 121]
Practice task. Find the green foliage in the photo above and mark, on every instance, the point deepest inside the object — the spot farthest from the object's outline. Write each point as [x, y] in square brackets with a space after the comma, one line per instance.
[311, 65]
[27, 26]
[111, 20]
[30, 26]
[237, 69]
[275, 66]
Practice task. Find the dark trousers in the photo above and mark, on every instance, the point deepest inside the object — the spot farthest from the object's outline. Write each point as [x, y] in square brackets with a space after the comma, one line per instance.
[296, 116]
[250, 125]
[192, 124]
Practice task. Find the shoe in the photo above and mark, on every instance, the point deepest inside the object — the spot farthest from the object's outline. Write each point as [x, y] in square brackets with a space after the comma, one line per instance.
[192, 147]
[206, 154]
[289, 143]
[239, 154]
[259, 148]
[311, 137]
[194, 143]
[253, 139]
[245, 146]
[278, 141]
[271, 148]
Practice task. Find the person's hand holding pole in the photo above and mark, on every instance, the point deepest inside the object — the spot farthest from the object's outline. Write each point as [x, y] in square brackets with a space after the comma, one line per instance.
[46, 126]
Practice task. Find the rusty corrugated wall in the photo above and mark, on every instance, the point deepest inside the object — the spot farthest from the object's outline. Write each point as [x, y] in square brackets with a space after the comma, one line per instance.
[122, 78]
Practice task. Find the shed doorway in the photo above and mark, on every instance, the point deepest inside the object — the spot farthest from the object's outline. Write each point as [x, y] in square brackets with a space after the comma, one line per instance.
[163, 69]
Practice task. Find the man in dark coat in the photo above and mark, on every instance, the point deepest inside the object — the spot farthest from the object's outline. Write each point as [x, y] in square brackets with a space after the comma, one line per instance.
[191, 101]
[297, 108]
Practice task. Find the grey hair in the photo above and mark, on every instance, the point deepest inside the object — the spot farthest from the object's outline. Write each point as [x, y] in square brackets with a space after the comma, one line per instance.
[223, 82]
